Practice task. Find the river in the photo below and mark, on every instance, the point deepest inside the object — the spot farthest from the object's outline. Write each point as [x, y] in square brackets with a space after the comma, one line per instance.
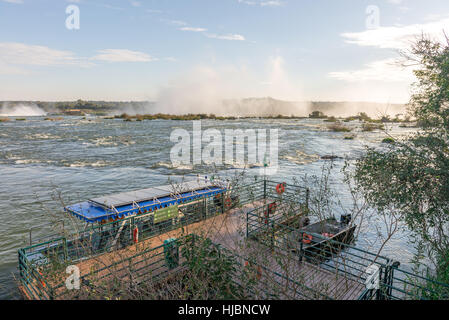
[79, 158]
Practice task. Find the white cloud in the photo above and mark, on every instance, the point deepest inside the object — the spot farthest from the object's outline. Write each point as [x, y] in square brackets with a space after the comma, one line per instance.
[122, 55]
[395, 1]
[192, 29]
[236, 37]
[263, 3]
[14, 1]
[13, 56]
[387, 70]
[273, 3]
[153, 11]
[13, 53]
[108, 6]
[397, 37]
[175, 22]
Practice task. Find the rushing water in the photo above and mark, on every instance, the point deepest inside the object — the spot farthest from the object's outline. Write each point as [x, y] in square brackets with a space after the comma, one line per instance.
[81, 158]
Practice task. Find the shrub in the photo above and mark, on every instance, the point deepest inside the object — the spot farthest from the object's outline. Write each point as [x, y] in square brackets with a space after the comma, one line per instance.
[338, 127]
[368, 126]
[388, 140]
[317, 115]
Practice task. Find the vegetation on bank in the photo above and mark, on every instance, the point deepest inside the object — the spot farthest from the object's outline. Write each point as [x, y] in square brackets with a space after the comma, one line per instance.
[388, 140]
[411, 179]
[368, 126]
[161, 116]
[338, 127]
[190, 116]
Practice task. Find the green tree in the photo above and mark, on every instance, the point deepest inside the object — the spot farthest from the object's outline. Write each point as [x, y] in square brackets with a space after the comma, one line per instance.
[412, 177]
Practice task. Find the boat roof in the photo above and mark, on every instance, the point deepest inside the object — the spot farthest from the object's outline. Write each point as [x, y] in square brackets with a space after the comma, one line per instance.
[144, 200]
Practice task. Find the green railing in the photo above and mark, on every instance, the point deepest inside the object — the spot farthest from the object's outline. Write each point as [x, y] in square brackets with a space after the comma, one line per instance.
[150, 268]
[277, 227]
[98, 239]
[281, 230]
[406, 285]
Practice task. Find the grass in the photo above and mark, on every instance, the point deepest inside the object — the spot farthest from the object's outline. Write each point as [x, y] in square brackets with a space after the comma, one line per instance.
[338, 127]
[54, 119]
[4, 119]
[368, 126]
[331, 119]
[190, 117]
[161, 116]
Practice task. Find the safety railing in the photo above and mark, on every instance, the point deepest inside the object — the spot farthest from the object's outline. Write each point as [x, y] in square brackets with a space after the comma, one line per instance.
[96, 240]
[338, 258]
[406, 285]
[379, 277]
[155, 270]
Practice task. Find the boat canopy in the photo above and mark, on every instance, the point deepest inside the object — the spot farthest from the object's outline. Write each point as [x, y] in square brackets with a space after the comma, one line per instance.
[143, 201]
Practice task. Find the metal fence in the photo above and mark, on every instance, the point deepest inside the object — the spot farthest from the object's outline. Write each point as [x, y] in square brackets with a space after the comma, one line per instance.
[94, 240]
[381, 277]
[157, 273]
[276, 225]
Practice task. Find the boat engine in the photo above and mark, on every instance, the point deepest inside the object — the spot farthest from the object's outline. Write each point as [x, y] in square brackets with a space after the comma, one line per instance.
[345, 218]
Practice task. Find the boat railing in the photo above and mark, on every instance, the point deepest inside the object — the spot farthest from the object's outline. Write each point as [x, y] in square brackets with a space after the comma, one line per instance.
[98, 238]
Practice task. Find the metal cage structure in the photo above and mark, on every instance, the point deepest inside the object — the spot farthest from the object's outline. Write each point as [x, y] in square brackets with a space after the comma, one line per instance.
[283, 267]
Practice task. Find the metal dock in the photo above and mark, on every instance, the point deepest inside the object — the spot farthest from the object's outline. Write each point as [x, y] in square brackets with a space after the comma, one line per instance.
[239, 221]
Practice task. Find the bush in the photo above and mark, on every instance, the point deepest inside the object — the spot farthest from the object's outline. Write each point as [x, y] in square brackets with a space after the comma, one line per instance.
[388, 140]
[331, 119]
[368, 127]
[338, 127]
[317, 115]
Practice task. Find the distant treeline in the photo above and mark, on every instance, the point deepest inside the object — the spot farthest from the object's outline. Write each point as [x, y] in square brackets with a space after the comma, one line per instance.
[82, 106]
[202, 116]
[250, 107]
[190, 116]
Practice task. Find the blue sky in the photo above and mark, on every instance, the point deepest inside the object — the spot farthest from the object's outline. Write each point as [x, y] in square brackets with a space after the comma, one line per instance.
[326, 50]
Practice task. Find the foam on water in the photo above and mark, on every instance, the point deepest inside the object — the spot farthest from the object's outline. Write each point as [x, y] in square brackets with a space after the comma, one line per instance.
[38, 158]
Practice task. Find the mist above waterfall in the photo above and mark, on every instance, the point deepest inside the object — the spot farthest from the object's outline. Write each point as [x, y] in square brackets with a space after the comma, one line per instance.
[224, 90]
[21, 110]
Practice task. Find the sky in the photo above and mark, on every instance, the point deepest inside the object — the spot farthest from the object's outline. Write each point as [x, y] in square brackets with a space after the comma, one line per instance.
[297, 50]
